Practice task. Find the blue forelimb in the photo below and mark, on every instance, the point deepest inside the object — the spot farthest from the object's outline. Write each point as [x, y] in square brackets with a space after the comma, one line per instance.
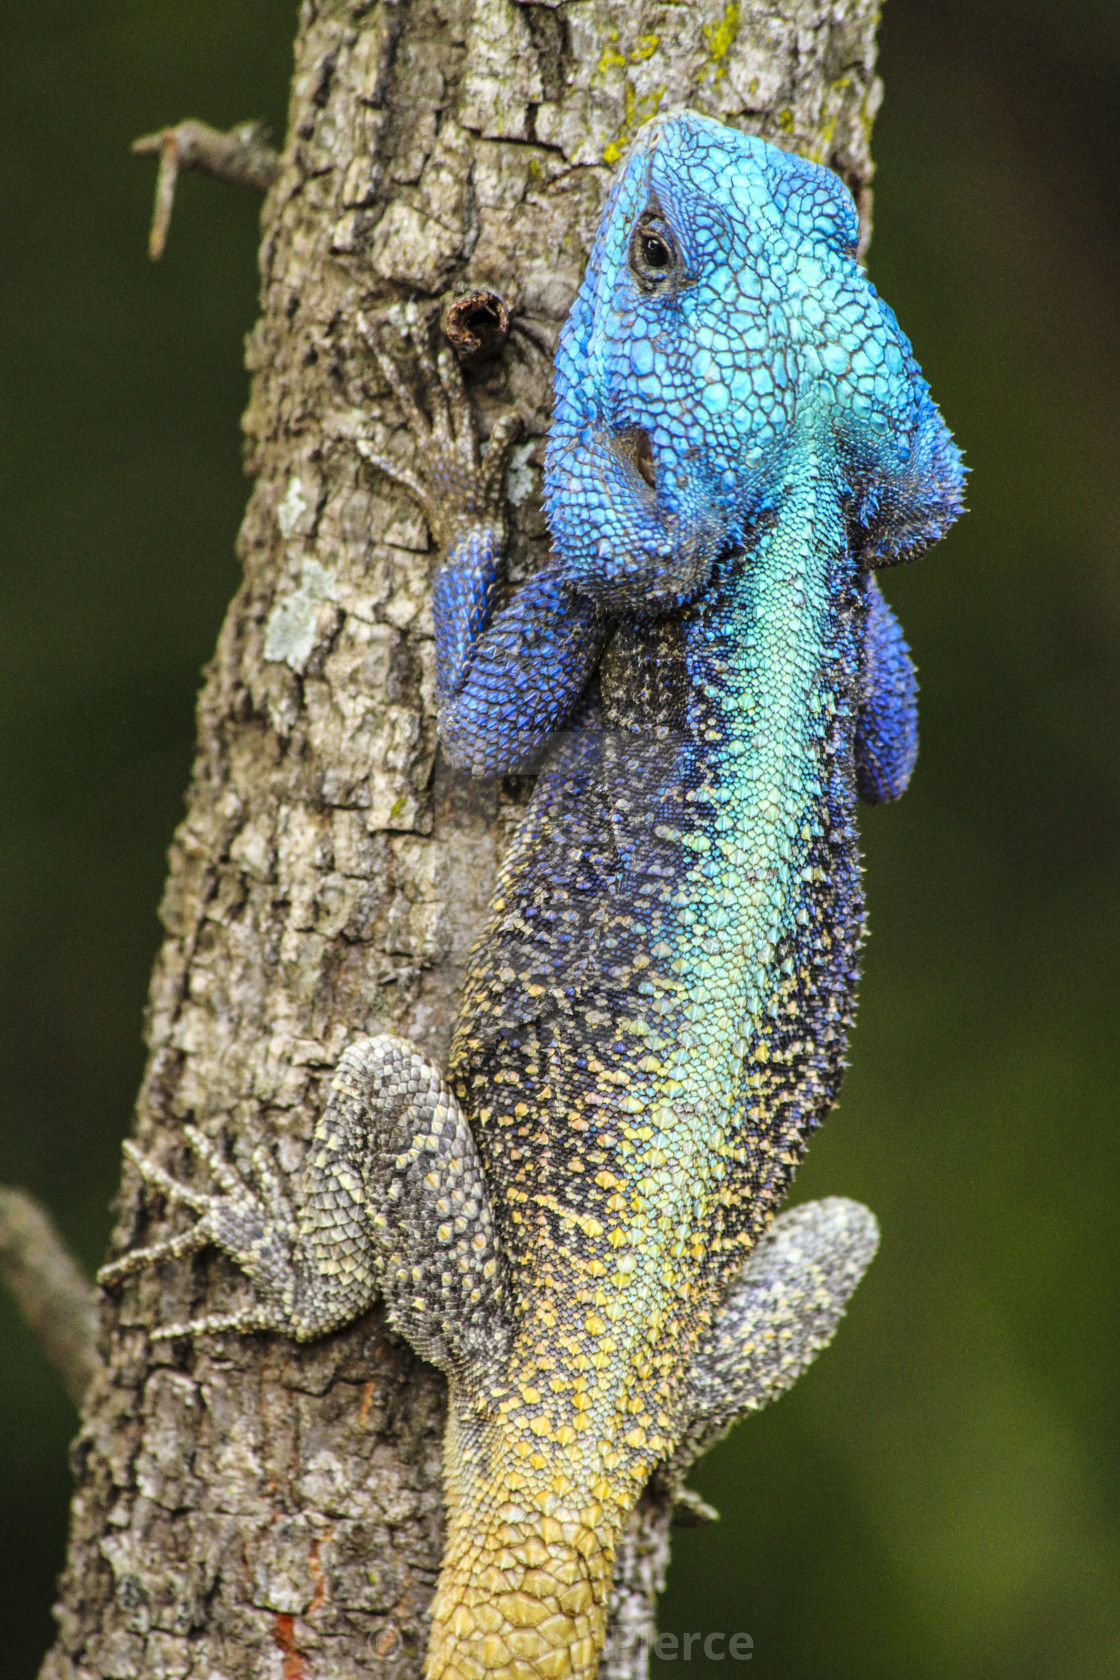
[887, 725]
[505, 685]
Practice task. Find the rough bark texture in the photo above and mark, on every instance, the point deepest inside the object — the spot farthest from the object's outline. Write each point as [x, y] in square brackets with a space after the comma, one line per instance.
[249, 1507]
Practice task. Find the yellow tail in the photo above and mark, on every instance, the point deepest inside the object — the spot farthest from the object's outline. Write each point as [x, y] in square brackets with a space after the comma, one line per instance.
[522, 1595]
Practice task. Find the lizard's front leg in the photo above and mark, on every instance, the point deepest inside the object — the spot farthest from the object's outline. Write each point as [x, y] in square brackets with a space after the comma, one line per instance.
[390, 1200]
[505, 681]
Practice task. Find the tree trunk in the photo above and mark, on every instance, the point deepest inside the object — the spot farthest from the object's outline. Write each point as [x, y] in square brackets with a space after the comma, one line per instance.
[244, 1506]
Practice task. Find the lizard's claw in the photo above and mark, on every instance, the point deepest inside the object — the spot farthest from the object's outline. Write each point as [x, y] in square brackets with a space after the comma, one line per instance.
[253, 1224]
[462, 487]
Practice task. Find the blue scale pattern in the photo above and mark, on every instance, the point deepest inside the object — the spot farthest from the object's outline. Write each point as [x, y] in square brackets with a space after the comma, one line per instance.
[655, 1016]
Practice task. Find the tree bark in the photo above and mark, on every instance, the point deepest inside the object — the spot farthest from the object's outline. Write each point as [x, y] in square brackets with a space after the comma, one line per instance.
[244, 1506]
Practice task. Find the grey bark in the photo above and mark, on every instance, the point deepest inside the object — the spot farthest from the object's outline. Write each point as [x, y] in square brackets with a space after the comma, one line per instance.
[247, 1507]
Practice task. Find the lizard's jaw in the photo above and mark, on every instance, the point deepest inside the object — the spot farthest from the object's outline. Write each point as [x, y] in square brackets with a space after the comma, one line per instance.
[651, 543]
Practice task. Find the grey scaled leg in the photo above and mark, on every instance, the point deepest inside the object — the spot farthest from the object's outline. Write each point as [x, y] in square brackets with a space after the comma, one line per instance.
[426, 1200]
[781, 1311]
[390, 1200]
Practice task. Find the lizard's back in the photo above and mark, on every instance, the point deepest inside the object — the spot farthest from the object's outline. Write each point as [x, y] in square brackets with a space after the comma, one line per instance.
[648, 1030]
[655, 1014]
[642, 1049]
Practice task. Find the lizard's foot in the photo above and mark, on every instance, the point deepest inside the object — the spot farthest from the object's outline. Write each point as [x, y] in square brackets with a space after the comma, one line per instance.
[463, 489]
[462, 496]
[254, 1224]
[390, 1198]
[781, 1311]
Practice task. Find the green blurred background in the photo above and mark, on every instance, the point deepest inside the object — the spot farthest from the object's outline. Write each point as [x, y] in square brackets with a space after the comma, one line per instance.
[941, 1495]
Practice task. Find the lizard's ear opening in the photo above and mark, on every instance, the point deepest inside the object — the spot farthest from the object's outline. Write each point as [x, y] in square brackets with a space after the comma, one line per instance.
[906, 504]
[634, 446]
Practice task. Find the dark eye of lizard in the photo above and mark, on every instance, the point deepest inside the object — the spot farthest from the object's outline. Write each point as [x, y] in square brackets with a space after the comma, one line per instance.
[652, 256]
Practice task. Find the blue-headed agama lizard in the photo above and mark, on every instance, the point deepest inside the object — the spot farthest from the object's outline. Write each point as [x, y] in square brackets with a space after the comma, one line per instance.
[576, 1223]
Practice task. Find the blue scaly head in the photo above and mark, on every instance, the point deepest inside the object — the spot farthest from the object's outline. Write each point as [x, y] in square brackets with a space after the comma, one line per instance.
[723, 323]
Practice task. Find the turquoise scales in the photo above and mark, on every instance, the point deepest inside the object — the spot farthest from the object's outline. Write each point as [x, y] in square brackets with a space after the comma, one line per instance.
[654, 1018]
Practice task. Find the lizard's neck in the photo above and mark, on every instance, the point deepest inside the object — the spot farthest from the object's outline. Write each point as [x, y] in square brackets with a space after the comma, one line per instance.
[771, 652]
[738, 1033]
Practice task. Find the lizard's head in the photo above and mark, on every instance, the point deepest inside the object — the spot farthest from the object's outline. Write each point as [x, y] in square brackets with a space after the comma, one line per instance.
[722, 320]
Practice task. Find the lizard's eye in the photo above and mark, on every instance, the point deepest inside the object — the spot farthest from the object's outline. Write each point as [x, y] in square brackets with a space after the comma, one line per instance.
[653, 256]
[653, 252]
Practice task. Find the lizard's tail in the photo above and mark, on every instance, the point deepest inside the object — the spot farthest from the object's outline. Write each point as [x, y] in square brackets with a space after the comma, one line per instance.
[521, 1596]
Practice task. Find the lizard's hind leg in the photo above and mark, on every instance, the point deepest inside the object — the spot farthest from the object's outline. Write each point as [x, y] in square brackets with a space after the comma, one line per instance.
[256, 1222]
[427, 1202]
[780, 1312]
[390, 1200]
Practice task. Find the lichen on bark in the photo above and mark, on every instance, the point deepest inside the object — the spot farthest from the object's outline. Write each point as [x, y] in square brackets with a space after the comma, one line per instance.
[247, 1507]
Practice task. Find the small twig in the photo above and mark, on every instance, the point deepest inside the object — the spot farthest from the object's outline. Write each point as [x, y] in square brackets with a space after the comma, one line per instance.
[243, 156]
[56, 1299]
